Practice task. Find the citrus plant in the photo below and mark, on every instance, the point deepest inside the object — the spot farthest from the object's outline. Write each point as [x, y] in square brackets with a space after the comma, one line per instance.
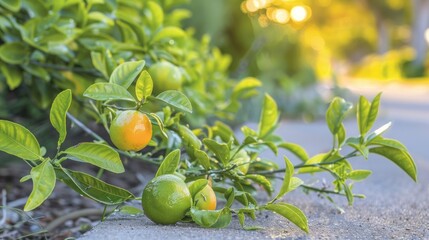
[103, 54]
[201, 155]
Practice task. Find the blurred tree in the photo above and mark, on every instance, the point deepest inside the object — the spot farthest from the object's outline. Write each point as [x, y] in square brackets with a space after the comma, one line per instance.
[420, 25]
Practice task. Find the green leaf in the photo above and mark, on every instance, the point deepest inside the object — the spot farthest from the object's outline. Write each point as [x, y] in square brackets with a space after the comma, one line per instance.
[93, 188]
[14, 52]
[189, 139]
[99, 63]
[356, 144]
[58, 113]
[335, 114]
[18, 141]
[125, 74]
[107, 91]
[43, 176]
[242, 218]
[269, 117]
[202, 158]
[155, 14]
[341, 136]
[169, 164]
[295, 149]
[168, 32]
[248, 132]
[12, 74]
[11, 5]
[349, 194]
[367, 113]
[294, 184]
[211, 219]
[130, 210]
[292, 213]
[245, 85]
[314, 160]
[223, 131]
[221, 150]
[144, 85]
[196, 186]
[262, 180]
[387, 142]
[401, 158]
[287, 179]
[175, 99]
[359, 175]
[160, 124]
[99, 155]
[25, 178]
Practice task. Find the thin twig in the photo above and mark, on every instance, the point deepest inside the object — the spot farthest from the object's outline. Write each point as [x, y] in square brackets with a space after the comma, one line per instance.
[65, 68]
[322, 190]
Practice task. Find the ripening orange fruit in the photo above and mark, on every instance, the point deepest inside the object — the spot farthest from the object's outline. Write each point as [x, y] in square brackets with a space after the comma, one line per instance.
[131, 130]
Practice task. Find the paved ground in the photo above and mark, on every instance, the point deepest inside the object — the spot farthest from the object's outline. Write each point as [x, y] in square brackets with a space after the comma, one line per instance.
[395, 207]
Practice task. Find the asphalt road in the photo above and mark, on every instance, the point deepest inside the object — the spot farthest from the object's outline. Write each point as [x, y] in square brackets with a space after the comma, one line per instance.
[395, 207]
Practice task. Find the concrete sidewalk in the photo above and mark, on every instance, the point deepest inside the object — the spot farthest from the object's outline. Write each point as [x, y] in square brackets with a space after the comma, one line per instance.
[395, 207]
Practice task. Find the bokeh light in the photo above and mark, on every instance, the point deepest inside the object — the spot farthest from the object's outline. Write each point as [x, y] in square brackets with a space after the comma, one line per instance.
[299, 13]
[280, 15]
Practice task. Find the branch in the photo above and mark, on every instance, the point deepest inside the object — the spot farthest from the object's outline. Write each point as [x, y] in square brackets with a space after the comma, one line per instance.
[65, 68]
[323, 190]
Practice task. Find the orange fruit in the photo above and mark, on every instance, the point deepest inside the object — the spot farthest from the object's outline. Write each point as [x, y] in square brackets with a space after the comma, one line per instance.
[131, 130]
[205, 199]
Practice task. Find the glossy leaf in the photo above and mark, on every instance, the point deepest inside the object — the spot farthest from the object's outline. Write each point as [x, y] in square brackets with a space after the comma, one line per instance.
[155, 14]
[130, 210]
[169, 164]
[359, 175]
[349, 194]
[295, 149]
[196, 186]
[292, 213]
[269, 117]
[367, 113]
[125, 74]
[144, 86]
[168, 33]
[107, 91]
[314, 160]
[43, 176]
[214, 219]
[93, 188]
[336, 113]
[58, 113]
[99, 155]
[221, 150]
[202, 158]
[175, 99]
[289, 172]
[12, 74]
[18, 141]
[11, 5]
[387, 142]
[244, 85]
[223, 131]
[262, 180]
[401, 158]
[14, 52]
